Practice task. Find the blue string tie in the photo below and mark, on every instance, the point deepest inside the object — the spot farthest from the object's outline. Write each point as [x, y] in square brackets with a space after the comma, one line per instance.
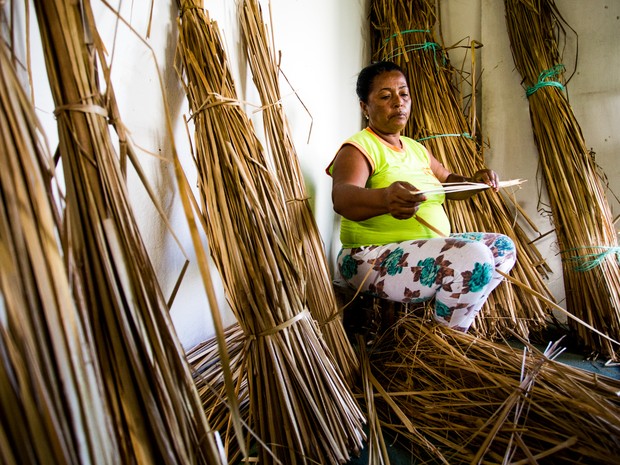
[590, 261]
[546, 79]
[413, 47]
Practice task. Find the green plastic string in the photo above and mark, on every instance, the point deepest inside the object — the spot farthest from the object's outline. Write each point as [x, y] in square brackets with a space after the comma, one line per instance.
[590, 261]
[408, 31]
[546, 79]
[413, 47]
[465, 135]
[425, 46]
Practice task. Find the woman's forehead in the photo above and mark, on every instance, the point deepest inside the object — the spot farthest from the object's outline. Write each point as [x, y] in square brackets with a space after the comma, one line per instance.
[389, 80]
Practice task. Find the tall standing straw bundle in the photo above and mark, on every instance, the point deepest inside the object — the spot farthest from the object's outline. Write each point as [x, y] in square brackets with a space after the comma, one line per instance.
[155, 408]
[478, 401]
[311, 259]
[52, 410]
[581, 213]
[402, 32]
[300, 404]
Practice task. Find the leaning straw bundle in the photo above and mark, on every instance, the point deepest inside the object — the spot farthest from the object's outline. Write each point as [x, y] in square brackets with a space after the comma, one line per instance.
[402, 32]
[51, 407]
[311, 259]
[300, 404]
[581, 213]
[155, 408]
[482, 402]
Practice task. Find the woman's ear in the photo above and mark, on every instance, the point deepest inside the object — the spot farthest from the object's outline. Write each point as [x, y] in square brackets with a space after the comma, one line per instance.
[364, 109]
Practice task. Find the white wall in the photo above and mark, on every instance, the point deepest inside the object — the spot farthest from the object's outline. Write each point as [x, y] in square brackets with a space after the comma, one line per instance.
[323, 44]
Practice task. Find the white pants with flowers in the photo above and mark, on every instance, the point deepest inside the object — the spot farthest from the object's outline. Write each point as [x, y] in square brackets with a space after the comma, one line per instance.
[458, 271]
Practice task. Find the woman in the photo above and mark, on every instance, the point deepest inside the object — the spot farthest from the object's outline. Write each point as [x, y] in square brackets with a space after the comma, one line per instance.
[396, 242]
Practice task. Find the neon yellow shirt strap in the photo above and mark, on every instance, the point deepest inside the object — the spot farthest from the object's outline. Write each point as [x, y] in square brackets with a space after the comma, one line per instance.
[390, 164]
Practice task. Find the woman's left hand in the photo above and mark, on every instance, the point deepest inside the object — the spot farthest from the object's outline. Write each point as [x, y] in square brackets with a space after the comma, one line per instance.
[488, 177]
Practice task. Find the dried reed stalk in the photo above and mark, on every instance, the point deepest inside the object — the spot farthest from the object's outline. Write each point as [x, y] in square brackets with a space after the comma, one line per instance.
[403, 32]
[52, 410]
[155, 408]
[300, 405]
[483, 402]
[311, 259]
[581, 213]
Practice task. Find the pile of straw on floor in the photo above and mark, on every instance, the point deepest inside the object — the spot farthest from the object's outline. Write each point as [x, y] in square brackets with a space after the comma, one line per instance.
[581, 213]
[458, 398]
[404, 33]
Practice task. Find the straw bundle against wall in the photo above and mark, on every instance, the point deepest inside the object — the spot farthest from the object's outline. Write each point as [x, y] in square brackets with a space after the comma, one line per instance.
[51, 407]
[477, 401]
[300, 405]
[403, 32]
[311, 259]
[154, 406]
[581, 213]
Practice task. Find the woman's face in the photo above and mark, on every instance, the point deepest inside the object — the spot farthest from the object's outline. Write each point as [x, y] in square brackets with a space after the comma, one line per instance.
[389, 103]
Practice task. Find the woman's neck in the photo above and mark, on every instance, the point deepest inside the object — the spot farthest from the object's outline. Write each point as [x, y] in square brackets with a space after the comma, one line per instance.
[392, 139]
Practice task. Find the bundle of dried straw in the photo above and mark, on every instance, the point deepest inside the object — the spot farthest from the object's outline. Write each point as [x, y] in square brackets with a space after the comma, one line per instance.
[403, 32]
[146, 383]
[581, 214]
[52, 410]
[300, 405]
[462, 399]
[311, 258]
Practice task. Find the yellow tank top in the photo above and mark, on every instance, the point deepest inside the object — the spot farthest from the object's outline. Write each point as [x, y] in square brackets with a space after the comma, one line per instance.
[390, 164]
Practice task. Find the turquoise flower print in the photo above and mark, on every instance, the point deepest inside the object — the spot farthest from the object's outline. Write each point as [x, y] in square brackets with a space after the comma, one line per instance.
[348, 267]
[428, 272]
[504, 245]
[480, 277]
[393, 262]
[473, 236]
[442, 310]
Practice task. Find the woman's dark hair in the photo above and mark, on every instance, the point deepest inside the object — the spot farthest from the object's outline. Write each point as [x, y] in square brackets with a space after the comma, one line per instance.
[368, 75]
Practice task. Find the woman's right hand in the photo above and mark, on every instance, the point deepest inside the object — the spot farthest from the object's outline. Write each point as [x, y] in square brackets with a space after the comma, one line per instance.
[401, 200]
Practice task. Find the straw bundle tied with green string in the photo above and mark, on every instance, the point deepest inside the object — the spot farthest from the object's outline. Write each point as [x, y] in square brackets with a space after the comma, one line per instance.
[154, 407]
[581, 213]
[402, 32]
[49, 379]
[311, 259]
[300, 405]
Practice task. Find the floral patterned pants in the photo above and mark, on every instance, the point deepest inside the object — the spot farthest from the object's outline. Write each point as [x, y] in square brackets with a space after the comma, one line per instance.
[458, 271]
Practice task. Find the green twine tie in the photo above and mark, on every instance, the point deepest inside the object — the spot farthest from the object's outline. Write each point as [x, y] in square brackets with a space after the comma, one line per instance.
[590, 261]
[413, 47]
[546, 79]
